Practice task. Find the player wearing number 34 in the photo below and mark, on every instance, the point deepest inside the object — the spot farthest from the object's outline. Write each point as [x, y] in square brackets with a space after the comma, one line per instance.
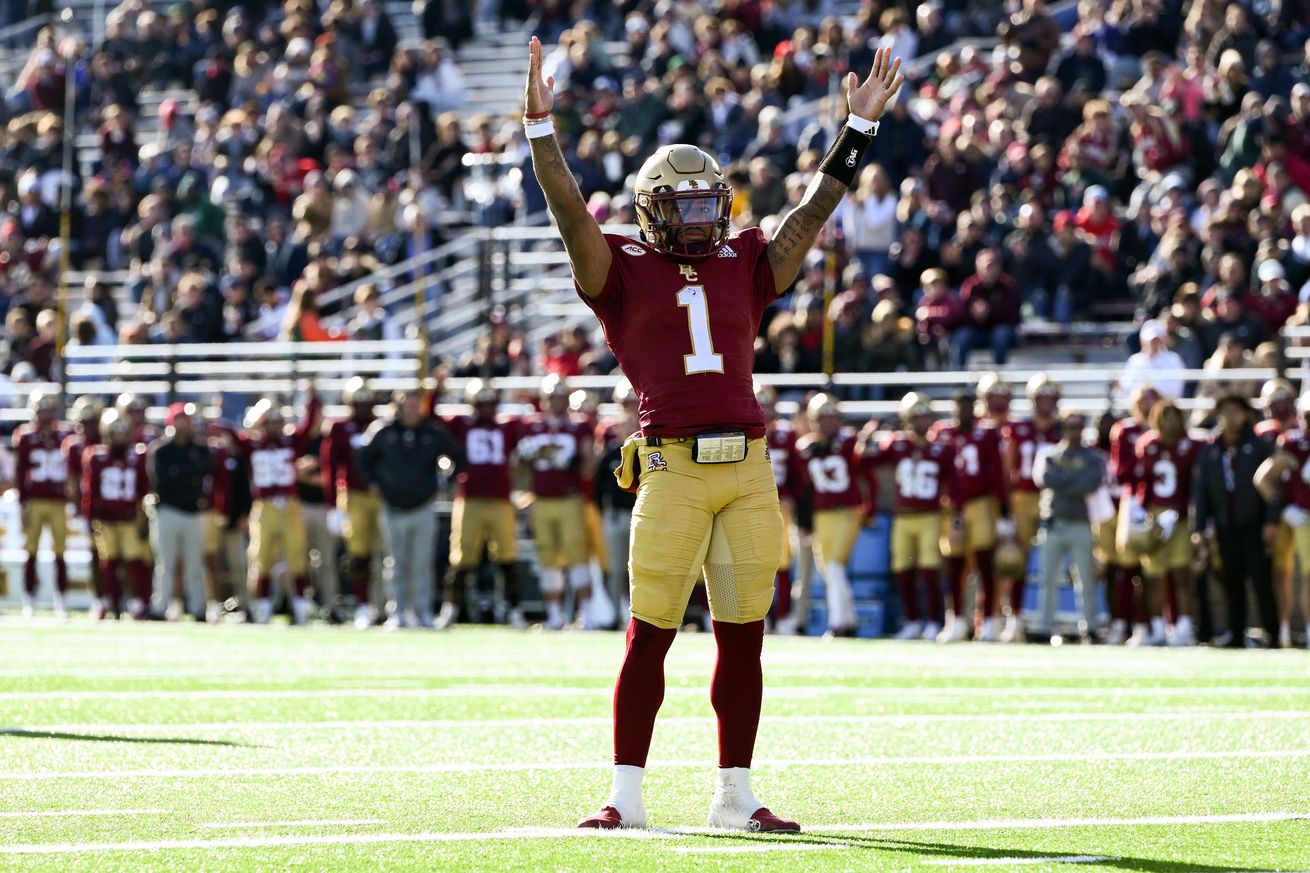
[681, 308]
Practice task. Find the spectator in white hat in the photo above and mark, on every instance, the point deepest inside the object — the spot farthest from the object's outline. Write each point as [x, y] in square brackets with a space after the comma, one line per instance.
[1154, 365]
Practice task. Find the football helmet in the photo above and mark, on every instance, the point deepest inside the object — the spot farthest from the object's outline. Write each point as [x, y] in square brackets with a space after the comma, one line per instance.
[765, 396]
[994, 393]
[1278, 398]
[114, 426]
[680, 188]
[582, 402]
[1303, 404]
[1143, 400]
[43, 405]
[554, 386]
[821, 405]
[477, 393]
[265, 414]
[1009, 560]
[87, 409]
[1042, 385]
[131, 403]
[915, 405]
[357, 392]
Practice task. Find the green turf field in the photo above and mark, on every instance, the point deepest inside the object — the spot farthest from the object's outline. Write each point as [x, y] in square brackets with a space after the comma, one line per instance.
[150, 746]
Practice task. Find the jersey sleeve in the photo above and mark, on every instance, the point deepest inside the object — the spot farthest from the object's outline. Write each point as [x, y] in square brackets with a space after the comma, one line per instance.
[757, 245]
[21, 462]
[608, 304]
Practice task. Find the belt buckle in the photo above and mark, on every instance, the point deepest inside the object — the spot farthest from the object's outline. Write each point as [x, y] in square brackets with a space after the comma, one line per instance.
[719, 447]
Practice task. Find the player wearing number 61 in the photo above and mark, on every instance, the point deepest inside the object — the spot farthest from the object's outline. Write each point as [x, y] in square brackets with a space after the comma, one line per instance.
[680, 308]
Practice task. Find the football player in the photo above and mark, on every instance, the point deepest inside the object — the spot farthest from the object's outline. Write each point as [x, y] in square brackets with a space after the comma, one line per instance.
[1023, 440]
[1285, 478]
[681, 308]
[85, 415]
[829, 459]
[582, 410]
[133, 408]
[780, 437]
[556, 449]
[1278, 400]
[41, 477]
[1123, 565]
[980, 487]
[114, 483]
[616, 503]
[216, 516]
[1165, 457]
[277, 529]
[483, 518]
[345, 488]
[924, 476]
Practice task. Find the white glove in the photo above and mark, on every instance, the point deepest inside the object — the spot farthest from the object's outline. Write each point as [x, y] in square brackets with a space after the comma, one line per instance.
[1296, 516]
[1005, 528]
[334, 521]
[1167, 520]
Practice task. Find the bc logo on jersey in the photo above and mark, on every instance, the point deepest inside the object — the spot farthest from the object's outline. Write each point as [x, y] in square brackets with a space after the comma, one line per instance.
[655, 461]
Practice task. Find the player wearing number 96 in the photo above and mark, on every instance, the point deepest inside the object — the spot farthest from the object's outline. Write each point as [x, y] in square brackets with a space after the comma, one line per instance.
[680, 309]
[925, 474]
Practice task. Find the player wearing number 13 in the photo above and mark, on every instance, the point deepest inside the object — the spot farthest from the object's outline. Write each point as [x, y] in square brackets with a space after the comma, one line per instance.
[681, 308]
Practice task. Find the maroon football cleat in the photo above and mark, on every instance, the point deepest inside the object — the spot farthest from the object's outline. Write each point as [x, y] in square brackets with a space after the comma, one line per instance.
[606, 819]
[765, 822]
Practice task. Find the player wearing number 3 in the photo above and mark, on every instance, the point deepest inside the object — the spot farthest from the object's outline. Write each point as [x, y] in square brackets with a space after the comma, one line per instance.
[680, 309]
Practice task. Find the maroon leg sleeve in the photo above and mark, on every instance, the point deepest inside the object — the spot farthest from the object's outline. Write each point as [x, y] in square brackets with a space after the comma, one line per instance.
[113, 591]
[1170, 597]
[782, 594]
[955, 575]
[300, 585]
[909, 595]
[1121, 596]
[138, 575]
[29, 575]
[360, 577]
[932, 585]
[61, 574]
[737, 690]
[1016, 595]
[639, 691]
[263, 587]
[985, 561]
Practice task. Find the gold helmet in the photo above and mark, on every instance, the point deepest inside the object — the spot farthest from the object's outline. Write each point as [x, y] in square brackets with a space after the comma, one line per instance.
[554, 386]
[129, 402]
[1303, 404]
[87, 409]
[114, 425]
[994, 392]
[765, 395]
[821, 405]
[914, 405]
[42, 403]
[582, 402]
[1042, 385]
[357, 393]
[681, 187]
[478, 392]
[1280, 392]
[623, 392]
[262, 414]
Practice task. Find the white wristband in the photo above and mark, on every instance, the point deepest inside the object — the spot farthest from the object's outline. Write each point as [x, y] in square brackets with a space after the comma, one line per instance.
[539, 129]
[862, 125]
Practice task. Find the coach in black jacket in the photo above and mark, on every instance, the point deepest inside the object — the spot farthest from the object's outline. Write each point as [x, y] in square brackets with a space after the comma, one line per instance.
[1228, 506]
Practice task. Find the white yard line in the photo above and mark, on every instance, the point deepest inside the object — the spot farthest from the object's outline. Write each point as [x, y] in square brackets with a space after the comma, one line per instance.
[1019, 862]
[780, 846]
[81, 813]
[785, 691]
[304, 823]
[572, 833]
[548, 766]
[1173, 714]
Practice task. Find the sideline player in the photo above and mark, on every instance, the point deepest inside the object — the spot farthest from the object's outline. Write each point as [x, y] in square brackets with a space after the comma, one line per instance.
[780, 437]
[114, 483]
[85, 415]
[345, 489]
[681, 309]
[41, 477]
[1124, 565]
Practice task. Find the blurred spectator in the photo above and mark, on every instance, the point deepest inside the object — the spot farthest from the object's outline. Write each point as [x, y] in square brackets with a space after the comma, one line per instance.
[991, 312]
[868, 220]
[1033, 33]
[1154, 365]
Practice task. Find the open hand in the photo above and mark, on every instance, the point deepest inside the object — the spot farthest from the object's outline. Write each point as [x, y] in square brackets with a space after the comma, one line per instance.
[866, 100]
[540, 94]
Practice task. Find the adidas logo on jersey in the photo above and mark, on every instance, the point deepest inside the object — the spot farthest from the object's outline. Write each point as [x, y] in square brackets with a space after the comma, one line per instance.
[727, 252]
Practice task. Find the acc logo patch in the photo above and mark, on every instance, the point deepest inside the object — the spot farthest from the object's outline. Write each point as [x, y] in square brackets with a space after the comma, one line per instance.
[655, 461]
[634, 250]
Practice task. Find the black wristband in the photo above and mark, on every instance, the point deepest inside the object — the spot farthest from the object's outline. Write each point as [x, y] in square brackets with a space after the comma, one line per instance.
[843, 160]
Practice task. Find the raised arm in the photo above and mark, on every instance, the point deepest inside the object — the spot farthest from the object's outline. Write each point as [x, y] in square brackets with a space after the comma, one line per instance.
[800, 228]
[588, 254]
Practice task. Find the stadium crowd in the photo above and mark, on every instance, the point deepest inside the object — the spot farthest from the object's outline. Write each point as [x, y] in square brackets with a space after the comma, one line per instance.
[210, 518]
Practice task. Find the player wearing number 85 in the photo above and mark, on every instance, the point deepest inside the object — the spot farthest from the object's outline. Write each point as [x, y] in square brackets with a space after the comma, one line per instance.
[924, 476]
[680, 309]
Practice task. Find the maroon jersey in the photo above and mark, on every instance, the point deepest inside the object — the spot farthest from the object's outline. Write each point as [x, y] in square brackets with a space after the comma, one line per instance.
[1123, 450]
[41, 470]
[1163, 475]
[780, 439]
[684, 333]
[488, 446]
[272, 462]
[978, 468]
[1296, 487]
[339, 458]
[73, 447]
[830, 469]
[219, 484]
[607, 435]
[113, 483]
[1271, 428]
[553, 448]
[924, 471]
[1025, 439]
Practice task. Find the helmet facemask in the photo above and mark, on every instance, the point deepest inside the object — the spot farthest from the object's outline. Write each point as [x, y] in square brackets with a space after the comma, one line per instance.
[666, 216]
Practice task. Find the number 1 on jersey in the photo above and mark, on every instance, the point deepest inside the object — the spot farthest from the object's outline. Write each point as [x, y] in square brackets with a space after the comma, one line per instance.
[703, 358]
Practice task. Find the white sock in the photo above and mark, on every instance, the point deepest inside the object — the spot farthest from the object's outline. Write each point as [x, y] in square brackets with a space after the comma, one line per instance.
[554, 611]
[579, 576]
[552, 581]
[625, 791]
[839, 595]
[1157, 626]
[736, 781]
